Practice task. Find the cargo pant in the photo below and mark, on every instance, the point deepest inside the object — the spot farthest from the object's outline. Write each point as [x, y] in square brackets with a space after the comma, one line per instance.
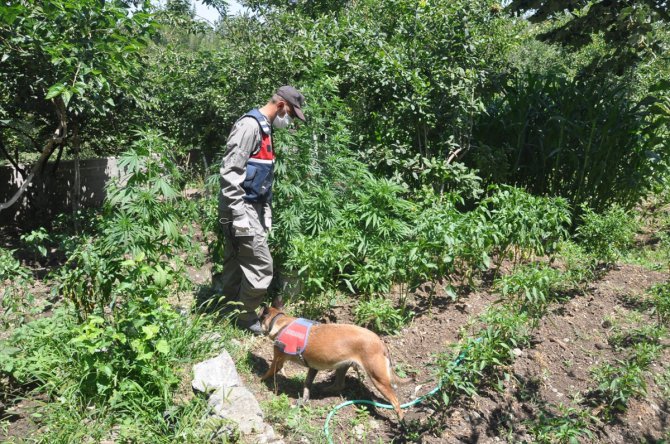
[246, 262]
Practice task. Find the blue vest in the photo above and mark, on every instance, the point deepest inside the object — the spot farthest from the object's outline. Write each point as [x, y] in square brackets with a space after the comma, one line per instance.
[257, 184]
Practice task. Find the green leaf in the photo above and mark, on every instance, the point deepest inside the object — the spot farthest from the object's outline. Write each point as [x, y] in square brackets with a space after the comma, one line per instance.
[160, 276]
[150, 331]
[163, 347]
[67, 95]
[55, 91]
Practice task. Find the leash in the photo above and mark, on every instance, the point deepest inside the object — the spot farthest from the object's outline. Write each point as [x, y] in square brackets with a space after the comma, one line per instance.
[416, 401]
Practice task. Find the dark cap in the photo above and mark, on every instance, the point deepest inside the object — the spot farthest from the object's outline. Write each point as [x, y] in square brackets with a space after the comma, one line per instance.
[294, 98]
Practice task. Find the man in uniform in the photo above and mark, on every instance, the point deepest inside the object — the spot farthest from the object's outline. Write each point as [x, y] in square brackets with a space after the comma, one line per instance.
[245, 213]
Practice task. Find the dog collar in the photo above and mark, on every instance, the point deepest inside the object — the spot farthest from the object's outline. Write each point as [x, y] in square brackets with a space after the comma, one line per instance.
[273, 320]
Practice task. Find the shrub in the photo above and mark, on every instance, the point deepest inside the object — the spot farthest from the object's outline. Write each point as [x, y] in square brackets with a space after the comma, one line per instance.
[616, 385]
[380, 315]
[567, 426]
[606, 236]
[531, 288]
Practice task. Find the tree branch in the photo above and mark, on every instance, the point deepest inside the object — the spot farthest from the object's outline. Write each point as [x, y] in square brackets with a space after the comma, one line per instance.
[454, 155]
[9, 157]
[59, 135]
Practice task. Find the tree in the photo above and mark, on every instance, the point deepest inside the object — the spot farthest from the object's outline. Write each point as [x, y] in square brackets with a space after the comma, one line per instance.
[63, 62]
[629, 27]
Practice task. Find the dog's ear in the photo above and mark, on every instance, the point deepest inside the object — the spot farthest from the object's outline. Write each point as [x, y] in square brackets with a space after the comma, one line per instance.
[263, 312]
[278, 303]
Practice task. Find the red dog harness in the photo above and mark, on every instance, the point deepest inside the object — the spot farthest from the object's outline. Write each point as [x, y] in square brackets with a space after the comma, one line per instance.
[292, 340]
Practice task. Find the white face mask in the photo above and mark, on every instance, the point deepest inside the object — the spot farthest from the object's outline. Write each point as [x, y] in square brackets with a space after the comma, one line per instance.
[282, 122]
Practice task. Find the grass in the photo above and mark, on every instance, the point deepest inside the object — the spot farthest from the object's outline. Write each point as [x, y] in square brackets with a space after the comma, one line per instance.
[295, 423]
[135, 411]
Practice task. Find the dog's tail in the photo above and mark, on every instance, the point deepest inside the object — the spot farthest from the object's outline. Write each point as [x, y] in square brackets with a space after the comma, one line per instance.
[395, 379]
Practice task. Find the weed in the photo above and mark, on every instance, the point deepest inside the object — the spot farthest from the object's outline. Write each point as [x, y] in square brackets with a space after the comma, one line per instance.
[645, 353]
[663, 382]
[380, 315]
[579, 265]
[523, 224]
[16, 299]
[531, 288]
[616, 385]
[477, 358]
[567, 426]
[113, 356]
[661, 301]
[647, 334]
[36, 240]
[608, 235]
[292, 421]
[360, 423]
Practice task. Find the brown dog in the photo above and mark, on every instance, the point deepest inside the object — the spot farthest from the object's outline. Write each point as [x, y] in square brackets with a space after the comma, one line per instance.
[334, 346]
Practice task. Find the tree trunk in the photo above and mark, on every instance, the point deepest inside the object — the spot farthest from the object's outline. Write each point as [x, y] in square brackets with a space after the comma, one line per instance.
[76, 186]
[59, 136]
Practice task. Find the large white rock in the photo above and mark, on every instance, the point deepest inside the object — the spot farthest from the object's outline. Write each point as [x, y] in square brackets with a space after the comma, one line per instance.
[239, 405]
[215, 373]
[230, 400]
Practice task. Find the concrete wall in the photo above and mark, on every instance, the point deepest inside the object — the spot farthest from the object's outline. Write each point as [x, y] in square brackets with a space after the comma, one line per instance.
[52, 192]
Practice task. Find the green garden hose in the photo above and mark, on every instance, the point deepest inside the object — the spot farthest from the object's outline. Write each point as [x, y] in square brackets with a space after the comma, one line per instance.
[388, 406]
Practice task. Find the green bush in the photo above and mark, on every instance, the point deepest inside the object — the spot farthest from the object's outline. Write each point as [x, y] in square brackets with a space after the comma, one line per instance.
[16, 299]
[380, 315]
[616, 385]
[532, 287]
[597, 141]
[119, 347]
[126, 370]
[606, 236]
[523, 224]
[567, 426]
[478, 359]
[132, 253]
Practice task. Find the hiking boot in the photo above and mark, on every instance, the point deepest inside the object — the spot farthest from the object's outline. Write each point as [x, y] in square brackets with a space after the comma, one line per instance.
[252, 326]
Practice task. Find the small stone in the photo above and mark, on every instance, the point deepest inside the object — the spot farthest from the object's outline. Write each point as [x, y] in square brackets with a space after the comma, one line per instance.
[359, 431]
[517, 352]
